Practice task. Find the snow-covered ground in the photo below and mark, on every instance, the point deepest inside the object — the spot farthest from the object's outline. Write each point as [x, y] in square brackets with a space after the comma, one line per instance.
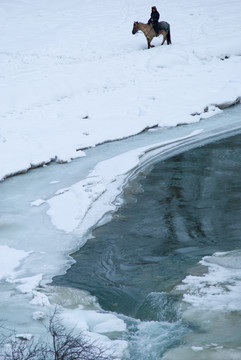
[73, 76]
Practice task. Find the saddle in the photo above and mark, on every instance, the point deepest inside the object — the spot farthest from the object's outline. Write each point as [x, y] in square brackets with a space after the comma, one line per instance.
[163, 25]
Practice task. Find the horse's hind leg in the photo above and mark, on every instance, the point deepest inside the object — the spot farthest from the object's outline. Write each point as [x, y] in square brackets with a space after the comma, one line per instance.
[169, 37]
[164, 37]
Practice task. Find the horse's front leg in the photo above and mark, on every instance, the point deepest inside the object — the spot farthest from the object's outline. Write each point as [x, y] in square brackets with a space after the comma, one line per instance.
[149, 43]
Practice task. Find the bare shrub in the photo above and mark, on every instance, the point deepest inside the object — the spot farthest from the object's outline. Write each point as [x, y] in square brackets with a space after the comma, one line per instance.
[63, 345]
[20, 349]
[69, 346]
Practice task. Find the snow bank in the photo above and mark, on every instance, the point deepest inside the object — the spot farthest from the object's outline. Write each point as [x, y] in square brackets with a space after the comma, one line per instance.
[67, 84]
[218, 289]
[69, 207]
[10, 260]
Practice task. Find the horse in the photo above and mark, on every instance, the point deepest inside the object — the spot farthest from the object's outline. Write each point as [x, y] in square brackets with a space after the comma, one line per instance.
[149, 32]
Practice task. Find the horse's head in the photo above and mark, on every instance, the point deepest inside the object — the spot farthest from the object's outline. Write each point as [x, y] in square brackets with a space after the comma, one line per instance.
[135, 28]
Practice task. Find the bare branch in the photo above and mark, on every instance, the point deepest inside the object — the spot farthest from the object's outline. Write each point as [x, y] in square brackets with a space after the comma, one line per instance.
[64, 345]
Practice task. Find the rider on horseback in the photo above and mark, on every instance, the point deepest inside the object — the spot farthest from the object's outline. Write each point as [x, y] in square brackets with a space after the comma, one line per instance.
[154, 18]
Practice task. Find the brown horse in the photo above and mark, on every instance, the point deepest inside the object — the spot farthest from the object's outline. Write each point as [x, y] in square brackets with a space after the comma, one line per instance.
[149, 32]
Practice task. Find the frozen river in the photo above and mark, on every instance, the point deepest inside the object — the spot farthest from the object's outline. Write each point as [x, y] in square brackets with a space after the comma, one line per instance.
[127, 290]
[186, 209]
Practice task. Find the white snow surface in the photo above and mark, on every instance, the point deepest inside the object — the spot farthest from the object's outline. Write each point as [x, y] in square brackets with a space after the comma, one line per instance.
[10, 259]
[73, 76]
[219, 289]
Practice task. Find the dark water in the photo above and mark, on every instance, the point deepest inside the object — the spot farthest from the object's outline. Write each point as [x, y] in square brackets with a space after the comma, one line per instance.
[189, 207]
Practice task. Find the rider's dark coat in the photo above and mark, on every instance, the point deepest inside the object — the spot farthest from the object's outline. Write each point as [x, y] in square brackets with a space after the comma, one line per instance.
[154, 19]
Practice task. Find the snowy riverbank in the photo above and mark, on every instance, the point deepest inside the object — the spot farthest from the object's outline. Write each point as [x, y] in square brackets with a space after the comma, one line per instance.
[73, 75]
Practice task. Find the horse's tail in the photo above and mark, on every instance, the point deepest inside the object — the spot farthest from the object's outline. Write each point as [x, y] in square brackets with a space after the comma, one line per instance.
[169, 36]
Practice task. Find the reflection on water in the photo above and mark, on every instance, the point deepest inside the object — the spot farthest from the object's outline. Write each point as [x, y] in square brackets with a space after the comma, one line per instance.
[189, 207]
